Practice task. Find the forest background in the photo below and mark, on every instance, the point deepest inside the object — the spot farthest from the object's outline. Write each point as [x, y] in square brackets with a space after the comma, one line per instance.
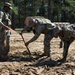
[55, 10]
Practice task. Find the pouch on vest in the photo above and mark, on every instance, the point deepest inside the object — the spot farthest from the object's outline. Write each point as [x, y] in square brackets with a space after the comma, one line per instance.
[50, 26]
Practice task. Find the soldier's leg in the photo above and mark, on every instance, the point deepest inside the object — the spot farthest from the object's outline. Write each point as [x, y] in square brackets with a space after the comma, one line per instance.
[7, 39]
[65, 50]
[61, 44]
[47, 39]
[66, 47]
[2, 51]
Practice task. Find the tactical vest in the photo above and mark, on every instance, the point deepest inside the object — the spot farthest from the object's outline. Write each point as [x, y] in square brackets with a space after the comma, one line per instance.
[5, 19]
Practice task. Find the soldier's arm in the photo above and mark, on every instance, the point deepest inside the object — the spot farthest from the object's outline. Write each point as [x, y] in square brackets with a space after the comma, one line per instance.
[1, 15]
[34, 37]
[37, 34]
[23, 30]
[26, 29]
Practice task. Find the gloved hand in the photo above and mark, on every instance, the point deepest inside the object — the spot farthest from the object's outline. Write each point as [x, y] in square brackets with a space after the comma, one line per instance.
[21, 32]
[27, 43]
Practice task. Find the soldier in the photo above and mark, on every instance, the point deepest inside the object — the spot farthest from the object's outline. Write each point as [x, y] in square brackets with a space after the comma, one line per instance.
[4, 34]
[40, 25]
[67, 35]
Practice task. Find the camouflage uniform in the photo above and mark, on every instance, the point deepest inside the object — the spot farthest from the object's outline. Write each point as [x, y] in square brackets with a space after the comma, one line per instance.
[70, 30]
[67, 35]
[4, 34]
[41, 25]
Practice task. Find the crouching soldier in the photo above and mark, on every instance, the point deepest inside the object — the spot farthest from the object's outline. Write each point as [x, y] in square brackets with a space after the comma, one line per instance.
[67, 35]
[40, 25]
[4, 34]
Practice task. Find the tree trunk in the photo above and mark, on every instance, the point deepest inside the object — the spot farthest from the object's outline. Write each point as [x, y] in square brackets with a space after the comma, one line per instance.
[50, 9]
[13, 18]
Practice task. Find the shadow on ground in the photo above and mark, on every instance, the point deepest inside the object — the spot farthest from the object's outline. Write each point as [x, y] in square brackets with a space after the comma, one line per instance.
[36, 59]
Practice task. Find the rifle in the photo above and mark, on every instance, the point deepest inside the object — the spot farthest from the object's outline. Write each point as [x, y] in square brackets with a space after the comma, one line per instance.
[7, 28]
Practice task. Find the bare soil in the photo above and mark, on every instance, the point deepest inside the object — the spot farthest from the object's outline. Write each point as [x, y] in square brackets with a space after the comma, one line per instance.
[20, 63]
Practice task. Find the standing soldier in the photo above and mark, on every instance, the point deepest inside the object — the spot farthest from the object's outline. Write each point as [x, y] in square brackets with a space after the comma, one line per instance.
[4, 34]
[40, 25]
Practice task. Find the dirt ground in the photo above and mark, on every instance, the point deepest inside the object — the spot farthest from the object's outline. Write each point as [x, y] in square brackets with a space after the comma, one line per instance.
[20, 63]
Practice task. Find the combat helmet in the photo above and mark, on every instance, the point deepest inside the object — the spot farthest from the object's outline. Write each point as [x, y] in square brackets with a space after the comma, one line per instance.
[7, 4]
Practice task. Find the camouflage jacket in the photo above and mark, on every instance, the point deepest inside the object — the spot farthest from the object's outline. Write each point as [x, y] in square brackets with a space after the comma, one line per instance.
[67, 32]
[70, 30]
[5, 18]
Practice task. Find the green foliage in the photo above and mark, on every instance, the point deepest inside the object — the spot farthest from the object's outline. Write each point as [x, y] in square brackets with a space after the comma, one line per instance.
[62, 10]
[15, 9]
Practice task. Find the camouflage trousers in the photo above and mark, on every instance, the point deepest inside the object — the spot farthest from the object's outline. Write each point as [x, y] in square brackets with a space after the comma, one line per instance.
[47, 39]
[4, 43]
